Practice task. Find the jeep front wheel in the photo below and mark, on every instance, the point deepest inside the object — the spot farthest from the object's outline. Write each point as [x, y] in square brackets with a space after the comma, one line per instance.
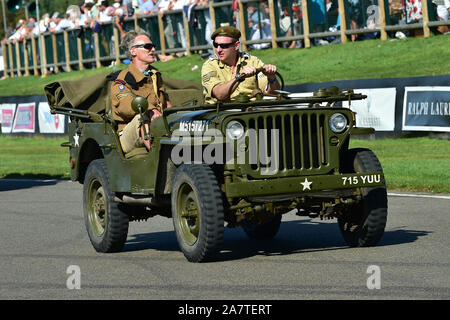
[364, 223]
[106, 224]
[197, 212]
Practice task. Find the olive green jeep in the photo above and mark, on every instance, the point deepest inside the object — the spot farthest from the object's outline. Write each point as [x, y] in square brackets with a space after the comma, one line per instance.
[242, 163]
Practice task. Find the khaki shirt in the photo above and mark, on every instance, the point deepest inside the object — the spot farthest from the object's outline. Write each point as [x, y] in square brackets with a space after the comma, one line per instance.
[215, 72]
[130, 83]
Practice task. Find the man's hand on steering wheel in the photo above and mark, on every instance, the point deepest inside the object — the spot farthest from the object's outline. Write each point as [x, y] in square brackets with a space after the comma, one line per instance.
[248, 71]
[270, 70]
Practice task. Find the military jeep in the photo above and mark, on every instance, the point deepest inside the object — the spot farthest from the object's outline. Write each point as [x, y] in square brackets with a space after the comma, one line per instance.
[242, 163]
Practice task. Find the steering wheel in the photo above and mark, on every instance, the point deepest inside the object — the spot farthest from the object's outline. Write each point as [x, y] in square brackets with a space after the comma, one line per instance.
[257, 91]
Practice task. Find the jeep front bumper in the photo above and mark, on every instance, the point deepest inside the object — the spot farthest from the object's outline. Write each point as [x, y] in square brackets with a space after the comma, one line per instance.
[303, 185]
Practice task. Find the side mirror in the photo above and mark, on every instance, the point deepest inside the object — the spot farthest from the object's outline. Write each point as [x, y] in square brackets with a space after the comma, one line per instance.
[139, 105]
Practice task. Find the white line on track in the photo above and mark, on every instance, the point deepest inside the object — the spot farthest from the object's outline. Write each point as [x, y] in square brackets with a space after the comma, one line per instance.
[392, 194]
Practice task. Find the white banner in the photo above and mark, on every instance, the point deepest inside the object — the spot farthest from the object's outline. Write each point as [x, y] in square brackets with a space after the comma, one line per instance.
[49, 123]
[376, 111]
[7, 111]
[24, 121]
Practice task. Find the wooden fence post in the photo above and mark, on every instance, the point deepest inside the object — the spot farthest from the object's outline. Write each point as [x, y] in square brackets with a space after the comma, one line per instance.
[80, 53]
[34, 52]
[44, 55]
[97, 50]
[19, 72]
[161, 34]
[67, 50]
[116, 45]
[212, 15]
[11, 61]
[187, 35]
[136, 24]
[242, 24]
[341, 6]
[306, 23]
[426, 19]
[273, 25]
[25, 57]
[382, 12]
[5, 61]
[55, 53]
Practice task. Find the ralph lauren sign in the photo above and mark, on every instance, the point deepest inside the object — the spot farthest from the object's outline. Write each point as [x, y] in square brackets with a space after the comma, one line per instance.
[426, 109]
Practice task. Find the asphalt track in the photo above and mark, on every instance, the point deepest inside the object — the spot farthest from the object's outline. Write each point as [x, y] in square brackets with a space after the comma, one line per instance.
[43, 236]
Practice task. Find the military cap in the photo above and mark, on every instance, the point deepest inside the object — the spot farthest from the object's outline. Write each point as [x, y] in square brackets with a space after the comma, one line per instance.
[227, 31]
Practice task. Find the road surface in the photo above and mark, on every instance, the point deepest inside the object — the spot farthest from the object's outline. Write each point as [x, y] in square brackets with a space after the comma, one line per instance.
[45, 254]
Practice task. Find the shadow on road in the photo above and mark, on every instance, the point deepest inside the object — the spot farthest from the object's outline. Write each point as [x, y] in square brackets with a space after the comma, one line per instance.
[162, 241]
[293, 237]
[18, 184]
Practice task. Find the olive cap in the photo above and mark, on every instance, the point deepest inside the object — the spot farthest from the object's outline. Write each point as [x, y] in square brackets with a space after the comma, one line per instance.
[227, 31]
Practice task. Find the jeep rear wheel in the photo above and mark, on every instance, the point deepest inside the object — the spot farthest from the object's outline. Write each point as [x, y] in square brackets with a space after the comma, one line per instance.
[363, 225]
[106, 224]
[198, 212]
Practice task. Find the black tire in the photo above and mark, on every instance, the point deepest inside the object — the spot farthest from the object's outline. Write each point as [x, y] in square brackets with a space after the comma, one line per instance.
[263, 231]
[197, 212]
[106, 224]
[363, 225]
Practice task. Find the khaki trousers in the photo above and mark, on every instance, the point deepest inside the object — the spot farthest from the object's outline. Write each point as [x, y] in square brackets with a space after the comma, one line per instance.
[130, 136]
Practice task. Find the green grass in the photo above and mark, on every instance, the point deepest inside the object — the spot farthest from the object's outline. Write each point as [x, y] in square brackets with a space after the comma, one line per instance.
[414, 164]
[33, 158]
[358, 60]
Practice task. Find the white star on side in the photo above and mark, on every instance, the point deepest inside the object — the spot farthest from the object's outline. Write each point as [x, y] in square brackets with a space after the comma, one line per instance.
[306, 184]
[76, 137]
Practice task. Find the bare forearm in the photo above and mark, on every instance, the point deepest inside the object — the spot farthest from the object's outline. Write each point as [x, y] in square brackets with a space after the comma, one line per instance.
[220, 91]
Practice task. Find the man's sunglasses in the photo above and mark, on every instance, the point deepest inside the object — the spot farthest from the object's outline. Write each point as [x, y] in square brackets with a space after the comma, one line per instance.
[223, 45]
[147, 46]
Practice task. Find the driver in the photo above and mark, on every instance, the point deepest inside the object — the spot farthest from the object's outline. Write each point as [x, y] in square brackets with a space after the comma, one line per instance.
[140, 79]
[220, 71]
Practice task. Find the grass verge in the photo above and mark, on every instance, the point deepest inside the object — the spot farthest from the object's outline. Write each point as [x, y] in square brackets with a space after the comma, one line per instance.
[414, 164]
[368, 59]
[35, 157]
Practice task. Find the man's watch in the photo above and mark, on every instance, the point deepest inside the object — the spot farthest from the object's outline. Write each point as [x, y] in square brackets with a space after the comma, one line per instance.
[271, 81]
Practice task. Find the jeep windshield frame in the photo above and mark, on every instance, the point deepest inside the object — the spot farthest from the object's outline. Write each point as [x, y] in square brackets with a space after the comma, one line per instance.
[219, 106]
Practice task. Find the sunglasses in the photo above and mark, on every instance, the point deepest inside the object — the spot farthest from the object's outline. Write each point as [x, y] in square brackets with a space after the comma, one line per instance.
[147, 46]
[223, 45]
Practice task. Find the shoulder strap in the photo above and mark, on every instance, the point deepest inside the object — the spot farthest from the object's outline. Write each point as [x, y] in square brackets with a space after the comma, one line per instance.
[113, 75]
[123, 77]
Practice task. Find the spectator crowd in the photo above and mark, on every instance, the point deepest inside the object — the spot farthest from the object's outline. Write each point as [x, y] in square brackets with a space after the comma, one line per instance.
[323, 16]
[91, 14]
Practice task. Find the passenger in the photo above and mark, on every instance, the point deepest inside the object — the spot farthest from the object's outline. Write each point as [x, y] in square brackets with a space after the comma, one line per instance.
[220, 71]
[140, 79]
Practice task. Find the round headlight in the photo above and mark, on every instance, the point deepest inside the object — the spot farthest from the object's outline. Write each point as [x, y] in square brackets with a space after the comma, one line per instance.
[338, 122]
[235, 130]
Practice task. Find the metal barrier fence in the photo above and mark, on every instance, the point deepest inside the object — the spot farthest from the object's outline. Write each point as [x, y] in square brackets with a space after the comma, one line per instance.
[263, 23]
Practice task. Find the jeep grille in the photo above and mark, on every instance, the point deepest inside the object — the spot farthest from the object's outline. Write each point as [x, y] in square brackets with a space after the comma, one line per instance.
[303, 146]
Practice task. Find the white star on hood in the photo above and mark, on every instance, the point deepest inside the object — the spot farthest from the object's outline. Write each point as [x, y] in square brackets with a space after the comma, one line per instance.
[306, 184]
